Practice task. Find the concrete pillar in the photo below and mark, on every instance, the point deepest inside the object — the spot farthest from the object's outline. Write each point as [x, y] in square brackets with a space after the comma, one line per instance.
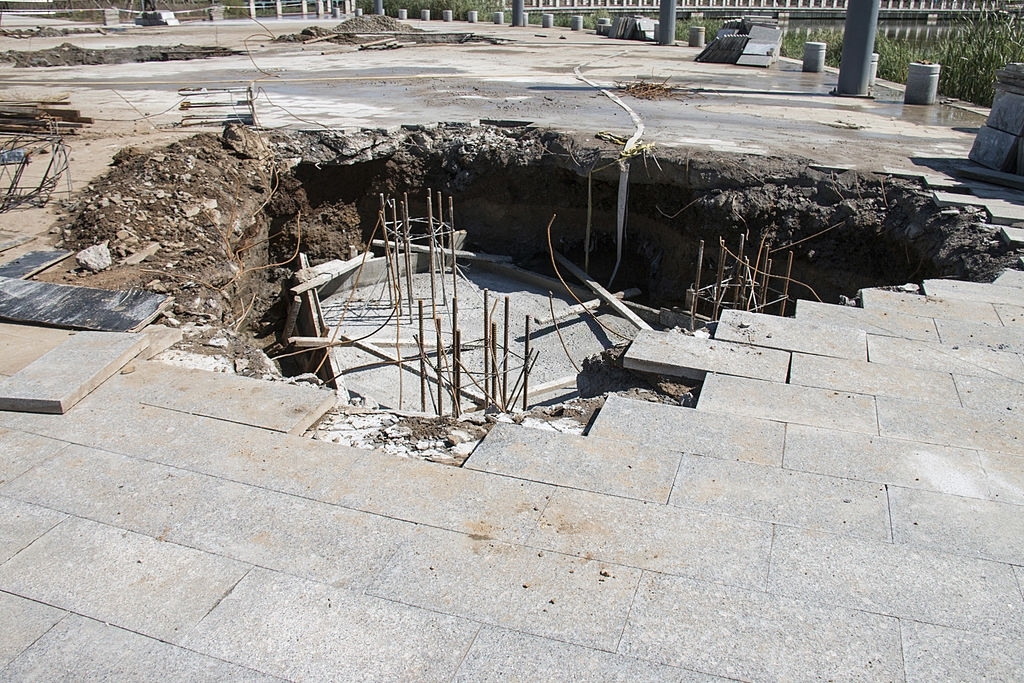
[472, 16]
[278, 10]
[576, 22]
[319, 9]
[814, 57]
[252, 9]
[922, 83]
[518, 8]
[305, 8]
[697, 36]
[667, 23]
[547, 20]
[858, 44]
[378, 7]
[403, 14]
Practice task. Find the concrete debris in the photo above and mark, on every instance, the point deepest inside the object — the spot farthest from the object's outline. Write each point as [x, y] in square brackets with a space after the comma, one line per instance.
[746, 42]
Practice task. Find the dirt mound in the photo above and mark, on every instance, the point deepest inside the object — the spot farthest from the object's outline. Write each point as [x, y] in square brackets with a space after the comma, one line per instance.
[67, 54]
[374, 24]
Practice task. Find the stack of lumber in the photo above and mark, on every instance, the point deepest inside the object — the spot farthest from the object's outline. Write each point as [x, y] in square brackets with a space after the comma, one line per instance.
[39, 117]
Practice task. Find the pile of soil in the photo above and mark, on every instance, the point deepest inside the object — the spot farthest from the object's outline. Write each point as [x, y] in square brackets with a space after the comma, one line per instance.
[346, 32]
[67, 54]
[49, 32]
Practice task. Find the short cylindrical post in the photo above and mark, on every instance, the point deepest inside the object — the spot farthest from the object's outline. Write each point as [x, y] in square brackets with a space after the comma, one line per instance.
[814, 57]
[472, 16]
[547, 21]
[576, 22]
[526, 366]
[697, 36]
[358, 11]
[446, 15]
[403, 14]
[499, 17]
[424, 15]
[873, 71]
[922, 83]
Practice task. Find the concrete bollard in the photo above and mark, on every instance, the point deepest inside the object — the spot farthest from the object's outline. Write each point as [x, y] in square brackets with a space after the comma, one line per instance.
[922, 83]
[576, 22]
[403, 14]
[337, 13]
[814, 57]
[524, 19]
[358, 12]
[215, 13]
[873, 70]
[446, 15]
[499, 17]
[697, 36]
[111, 17]
[424, 15]
[547, 21]
[472, 16]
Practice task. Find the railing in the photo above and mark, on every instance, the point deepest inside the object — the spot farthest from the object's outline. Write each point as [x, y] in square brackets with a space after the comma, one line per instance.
[922, 6]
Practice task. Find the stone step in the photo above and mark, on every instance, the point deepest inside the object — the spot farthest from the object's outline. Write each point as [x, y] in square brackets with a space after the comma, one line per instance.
[984, 430]
[60, 378]
[720, 435]
[888, 323]
[681, 355]
[1011, 277]
[975, 361]
[958, 290]
[878, 300]
[845, 411]
[873, 378]
[771, 331]
[997, 337]
[588, 463]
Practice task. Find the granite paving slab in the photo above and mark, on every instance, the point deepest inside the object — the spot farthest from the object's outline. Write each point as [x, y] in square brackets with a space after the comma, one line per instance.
[771, 494]
[662, 538]
[309, 631]
[1005, 476]
[719, 435]
[472, 502]
[61, 377]
[121, 578]
[879, 300]
[896, 579]
[682, 355]
[873, 378]
[882, 322]
[20, 452]
[1010, 315]
[500, 654]
[990, 393]
[306, 538]
[751, 635]
[789, 403]
[959, 290]
[938, 653]
[884, 460]
[22, 523]
[1011, 277]
[278, 406]
[790, 334]
[998, 337]
[588, 463]
[981, 429]
[571, 599]
[22, 344]
[963, 526]
[978, 361]
[88, 650]
[24, 622]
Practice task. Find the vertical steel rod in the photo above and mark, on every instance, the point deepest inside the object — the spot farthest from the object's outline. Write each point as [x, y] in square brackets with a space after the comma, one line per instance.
[457, 370]
[487, 334]
[785, 284]
[504, 359]
[430, 237]
[440, 379]
[494, 364]
[423, 365]
[526, 366]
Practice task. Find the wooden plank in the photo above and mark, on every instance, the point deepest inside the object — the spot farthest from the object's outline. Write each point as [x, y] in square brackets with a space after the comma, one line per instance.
[601, 292]
[459, 254]
[78, 308]
[33, 262]
[528, 276]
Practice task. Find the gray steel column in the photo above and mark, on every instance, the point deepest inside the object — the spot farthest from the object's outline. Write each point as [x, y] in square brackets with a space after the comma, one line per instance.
[518, 7]
[378, 7]
[858, 44]
[667, 23]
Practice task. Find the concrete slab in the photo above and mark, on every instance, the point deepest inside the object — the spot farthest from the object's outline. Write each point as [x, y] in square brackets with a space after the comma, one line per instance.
[1005, 476]
[938, 653]
[22, 344]
[981, 292]
[309, 631]
[963, 526]
[1011, 277]
[1012, 236]
[791, 334]
[305, 538]
[789, 403]
[873, 378]
[995, 149]
[661, 538]
[19, 452]
[880, 322]
[472, 502]
[879, 300]
[719, 435]
[896, 580]
[981, 429]
[160, 339]
[888, 461]
[1010, 315]
[84, 649]
[498, 654]
[571, 599]
[22, 523]
[997, 337]
[681, 355]
[121, 578]
[751, 635]
[770, 494]
[974, 361]
[278, 406]
[588, 463]
[24, 622]
[61, 377]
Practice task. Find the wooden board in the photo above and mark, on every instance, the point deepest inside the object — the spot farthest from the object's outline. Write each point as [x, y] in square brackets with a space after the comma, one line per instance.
[78, 308]
[602, 293]
[31, 263]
